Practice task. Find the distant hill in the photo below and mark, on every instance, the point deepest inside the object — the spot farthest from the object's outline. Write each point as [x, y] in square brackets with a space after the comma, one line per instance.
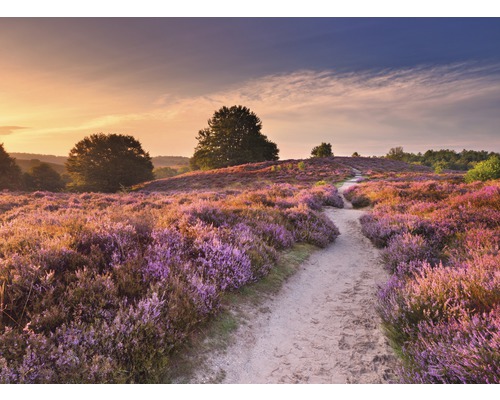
[26, 165]
[170, 161]
[47, 158]
[158, 162]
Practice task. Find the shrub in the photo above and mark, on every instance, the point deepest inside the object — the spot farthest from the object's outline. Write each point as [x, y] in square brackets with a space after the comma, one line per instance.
[440, 307]
[101, 288]
[484, 170]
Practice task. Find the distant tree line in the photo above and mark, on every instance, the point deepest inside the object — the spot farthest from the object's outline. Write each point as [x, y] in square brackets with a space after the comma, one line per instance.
[39, 177]
[442, 159]
[113, 162]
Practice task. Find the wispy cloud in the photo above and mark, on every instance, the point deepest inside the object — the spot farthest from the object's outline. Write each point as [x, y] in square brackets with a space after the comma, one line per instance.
[449, 106]
[454, 106]
[7, 130]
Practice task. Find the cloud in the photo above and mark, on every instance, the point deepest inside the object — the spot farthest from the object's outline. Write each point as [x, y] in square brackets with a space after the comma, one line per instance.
[450, 106]
[7, 130]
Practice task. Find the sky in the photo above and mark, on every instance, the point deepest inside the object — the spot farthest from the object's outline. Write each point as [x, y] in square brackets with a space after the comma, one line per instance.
[361, 84]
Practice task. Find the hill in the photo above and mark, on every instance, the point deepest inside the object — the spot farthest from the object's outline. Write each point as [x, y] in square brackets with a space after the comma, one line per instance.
[170, 161]
[26, 165]
[297, 172]
[158, 162]
[46, 158]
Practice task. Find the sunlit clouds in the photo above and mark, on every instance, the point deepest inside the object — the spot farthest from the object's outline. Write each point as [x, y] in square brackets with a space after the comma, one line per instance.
[363, 85]
[441, 107]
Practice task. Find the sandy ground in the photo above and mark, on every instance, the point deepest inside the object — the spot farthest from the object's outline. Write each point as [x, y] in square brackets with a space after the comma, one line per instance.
[322, 327]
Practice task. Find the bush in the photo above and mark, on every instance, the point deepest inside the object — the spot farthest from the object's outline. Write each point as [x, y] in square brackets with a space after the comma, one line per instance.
[484, 170]
[440, 308]
[101, 288]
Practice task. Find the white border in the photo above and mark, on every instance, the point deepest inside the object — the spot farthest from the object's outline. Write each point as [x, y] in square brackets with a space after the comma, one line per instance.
[250, 8]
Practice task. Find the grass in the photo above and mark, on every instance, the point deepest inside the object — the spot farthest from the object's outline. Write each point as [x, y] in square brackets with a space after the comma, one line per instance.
[218, 333]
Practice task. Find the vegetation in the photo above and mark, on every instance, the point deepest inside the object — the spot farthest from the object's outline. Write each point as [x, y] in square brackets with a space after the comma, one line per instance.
[441, 160]
[233, 137]
[396, 153]
[323, 150]
[175, 162]
[10, 173]
[164, 172]
[441, 307]
[485, 170]
[107, 163]
[43, 177]
[102, 288]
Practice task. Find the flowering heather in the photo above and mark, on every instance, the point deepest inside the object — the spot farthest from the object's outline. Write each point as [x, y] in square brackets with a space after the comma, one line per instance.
[100, 288]
[440, 308]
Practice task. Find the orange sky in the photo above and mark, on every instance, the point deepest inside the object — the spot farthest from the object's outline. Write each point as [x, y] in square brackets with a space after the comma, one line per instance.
[59, 84]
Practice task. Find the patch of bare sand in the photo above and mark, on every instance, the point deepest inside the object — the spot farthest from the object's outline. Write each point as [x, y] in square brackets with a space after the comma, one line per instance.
[322, 327]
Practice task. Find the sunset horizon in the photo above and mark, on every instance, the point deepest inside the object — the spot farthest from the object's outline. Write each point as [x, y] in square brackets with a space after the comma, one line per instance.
[363, 84]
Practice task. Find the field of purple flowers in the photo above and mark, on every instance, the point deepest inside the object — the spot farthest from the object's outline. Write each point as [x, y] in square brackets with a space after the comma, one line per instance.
[99, 288]
[441, 307]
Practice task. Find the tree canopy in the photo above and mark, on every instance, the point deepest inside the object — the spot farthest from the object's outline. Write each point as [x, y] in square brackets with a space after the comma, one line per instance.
[106, 163]
[323, 150]
[44, 177]
[396, 153]
[233, 137]
[10, 173]
[442, 159]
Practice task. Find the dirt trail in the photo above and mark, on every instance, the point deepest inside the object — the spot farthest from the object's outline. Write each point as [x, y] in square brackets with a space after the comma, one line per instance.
[322, 327]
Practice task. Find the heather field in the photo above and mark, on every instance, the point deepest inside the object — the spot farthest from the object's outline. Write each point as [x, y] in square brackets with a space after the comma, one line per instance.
[440, 239]
[302, 173]
[101, 288]
[104, 288]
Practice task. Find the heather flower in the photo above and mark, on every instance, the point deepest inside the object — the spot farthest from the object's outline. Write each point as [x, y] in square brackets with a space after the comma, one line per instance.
[100, 288]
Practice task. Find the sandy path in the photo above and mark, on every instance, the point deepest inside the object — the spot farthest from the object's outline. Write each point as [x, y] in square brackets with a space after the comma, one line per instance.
[322, 327]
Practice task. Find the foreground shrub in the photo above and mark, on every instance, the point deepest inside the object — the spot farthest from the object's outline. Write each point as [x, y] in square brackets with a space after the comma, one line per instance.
[462, 350]
[440, 309]
[101, 288]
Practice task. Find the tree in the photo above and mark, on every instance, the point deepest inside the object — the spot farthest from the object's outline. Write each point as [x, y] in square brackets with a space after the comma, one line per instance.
[233, 137]
[44, 177]
[484, 170]
[106, 163]
[355, 154]
[10, 173]
[165, 172]
[396, 153]
[323, 150]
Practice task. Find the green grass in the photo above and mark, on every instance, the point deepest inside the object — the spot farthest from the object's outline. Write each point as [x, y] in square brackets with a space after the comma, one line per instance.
[217, 333]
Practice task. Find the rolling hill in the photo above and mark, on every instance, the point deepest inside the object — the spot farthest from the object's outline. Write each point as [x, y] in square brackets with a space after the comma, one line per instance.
[298, 172]
[158, 162]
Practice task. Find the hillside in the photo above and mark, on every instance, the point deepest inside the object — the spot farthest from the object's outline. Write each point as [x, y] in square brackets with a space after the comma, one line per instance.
[170, 161]
[46, 158]
[158, 162]
[298, 172]
[26, 165]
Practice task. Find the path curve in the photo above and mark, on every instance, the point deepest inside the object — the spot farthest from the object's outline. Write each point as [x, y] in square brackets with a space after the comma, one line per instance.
[322, 327]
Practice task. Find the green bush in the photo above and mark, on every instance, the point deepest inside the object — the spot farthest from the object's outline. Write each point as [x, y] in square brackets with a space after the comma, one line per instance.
[484, 170]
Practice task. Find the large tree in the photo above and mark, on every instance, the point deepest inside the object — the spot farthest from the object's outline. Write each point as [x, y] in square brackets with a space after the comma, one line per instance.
[323, 150]
[233, 137]
[10, 173]
[106, 163]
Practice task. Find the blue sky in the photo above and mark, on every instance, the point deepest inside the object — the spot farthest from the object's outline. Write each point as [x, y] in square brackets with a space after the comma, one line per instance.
[362, 84]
